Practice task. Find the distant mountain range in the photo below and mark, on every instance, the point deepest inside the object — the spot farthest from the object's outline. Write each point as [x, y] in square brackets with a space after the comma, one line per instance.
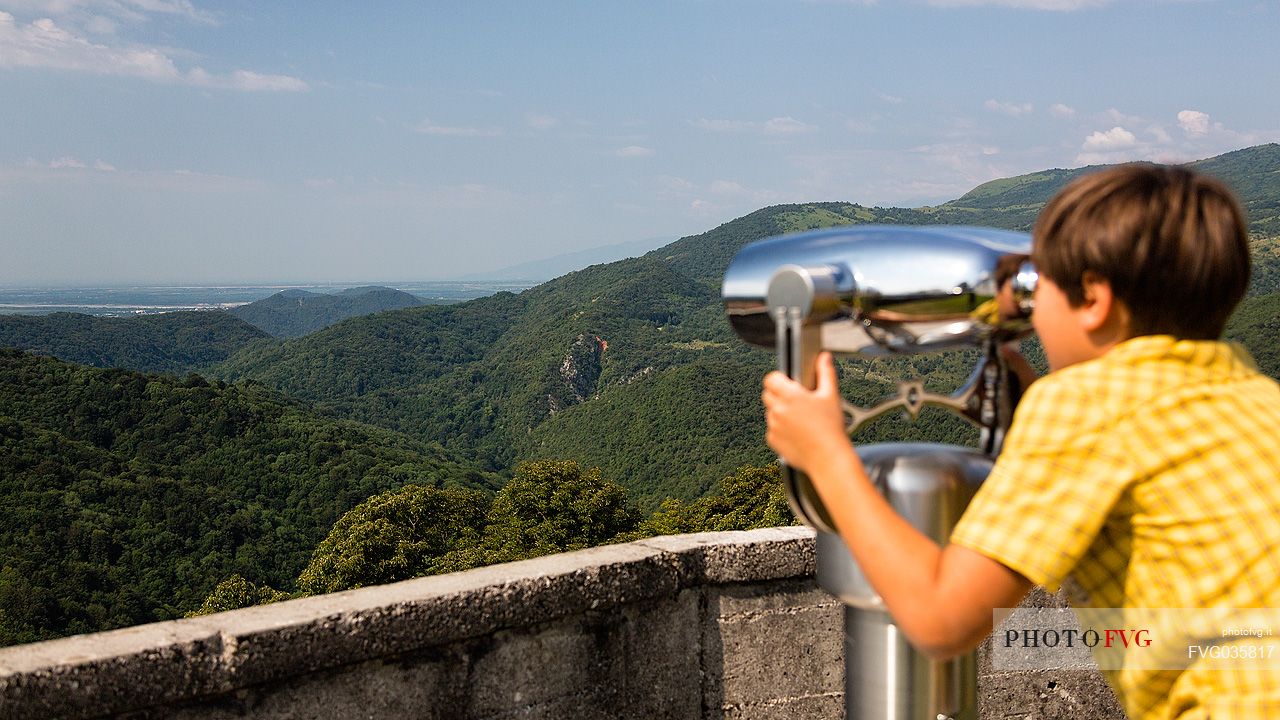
[294, 313]
[191, 341]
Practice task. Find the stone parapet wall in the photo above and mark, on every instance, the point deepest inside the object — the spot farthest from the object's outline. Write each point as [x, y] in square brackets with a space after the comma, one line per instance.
[694, 626]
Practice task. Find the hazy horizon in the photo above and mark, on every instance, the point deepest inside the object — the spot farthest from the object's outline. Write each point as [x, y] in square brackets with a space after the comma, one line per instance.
[184, 142]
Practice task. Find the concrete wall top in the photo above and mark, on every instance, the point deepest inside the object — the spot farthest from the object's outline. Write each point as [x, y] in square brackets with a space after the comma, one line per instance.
[136, 667]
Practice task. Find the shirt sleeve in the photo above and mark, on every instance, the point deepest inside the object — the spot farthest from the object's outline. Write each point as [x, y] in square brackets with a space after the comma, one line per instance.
[1052, 487]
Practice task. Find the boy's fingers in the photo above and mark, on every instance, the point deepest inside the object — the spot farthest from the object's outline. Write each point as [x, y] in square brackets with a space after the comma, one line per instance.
[777, 382]
[826, 371]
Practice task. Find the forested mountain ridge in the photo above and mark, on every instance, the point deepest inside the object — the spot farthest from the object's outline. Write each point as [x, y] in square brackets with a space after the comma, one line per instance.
[126, 497]
[177, 342]
[1253, 173]
[1010, 203]
[630, 366]
[479, 376]
[294, 313]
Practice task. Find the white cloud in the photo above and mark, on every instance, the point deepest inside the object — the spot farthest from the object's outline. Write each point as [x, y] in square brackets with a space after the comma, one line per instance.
[70, 162]
[891, 99]
[542, 122]
[1120, 145]
[775, 126]
[785, 126]
[426, 127]
[1008, 108]
[171, 7]
[727, 187]
[245, 80]
[671, 183]
[722, 125]
[1194, 122]
[969, 158]
[250, 80]
[1057, 5]
[70, 169]
[100, 25]
[65, 162]
[1116, 117]
[87, 11]
[631, 151]
[45, 44]
[1117, 138]
[1200, 138]
[1062, 111]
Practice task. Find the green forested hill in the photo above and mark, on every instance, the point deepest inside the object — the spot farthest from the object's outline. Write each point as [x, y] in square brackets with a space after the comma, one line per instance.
[126, 497]
[294, 313]
[481, 375]
[1256, 324]
[1254, 174]
[178, 342]
[388, 351]
[630, 366]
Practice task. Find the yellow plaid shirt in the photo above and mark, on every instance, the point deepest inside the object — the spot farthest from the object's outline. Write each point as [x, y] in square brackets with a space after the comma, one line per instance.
[1151, 475]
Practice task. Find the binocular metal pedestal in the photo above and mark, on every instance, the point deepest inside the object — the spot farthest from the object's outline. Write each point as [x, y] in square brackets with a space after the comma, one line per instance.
[885, 677]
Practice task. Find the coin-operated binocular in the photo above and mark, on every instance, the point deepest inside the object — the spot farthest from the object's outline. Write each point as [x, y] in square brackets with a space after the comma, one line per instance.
[885, 290]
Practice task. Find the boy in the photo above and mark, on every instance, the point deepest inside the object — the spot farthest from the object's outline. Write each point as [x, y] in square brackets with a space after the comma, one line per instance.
[1146, 464]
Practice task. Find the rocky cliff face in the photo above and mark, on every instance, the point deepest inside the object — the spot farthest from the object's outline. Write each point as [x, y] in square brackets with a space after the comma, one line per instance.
[579, 371]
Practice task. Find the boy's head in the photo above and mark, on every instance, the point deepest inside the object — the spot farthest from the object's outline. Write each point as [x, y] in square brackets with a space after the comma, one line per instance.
[1171, 244]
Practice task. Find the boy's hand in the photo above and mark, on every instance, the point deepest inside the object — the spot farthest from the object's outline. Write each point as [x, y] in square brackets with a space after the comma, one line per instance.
[805, 425]
[942, 599]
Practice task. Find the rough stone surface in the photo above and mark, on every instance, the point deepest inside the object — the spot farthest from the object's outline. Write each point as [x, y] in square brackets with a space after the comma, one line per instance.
[736, 557]
[810, 707]
[754, 667]
[1042, 695]
[715, 625]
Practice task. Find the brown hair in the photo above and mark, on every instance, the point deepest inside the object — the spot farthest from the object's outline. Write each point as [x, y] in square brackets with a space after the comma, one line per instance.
[1171, 242]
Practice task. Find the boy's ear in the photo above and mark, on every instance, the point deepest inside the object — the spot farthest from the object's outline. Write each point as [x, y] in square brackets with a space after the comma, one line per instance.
[1100, 309]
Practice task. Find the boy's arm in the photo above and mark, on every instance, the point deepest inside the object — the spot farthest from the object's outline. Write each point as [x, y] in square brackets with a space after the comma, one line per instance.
[942, 598]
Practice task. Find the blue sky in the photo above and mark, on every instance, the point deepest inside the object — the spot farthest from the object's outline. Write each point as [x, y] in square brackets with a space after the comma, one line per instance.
[176, 141]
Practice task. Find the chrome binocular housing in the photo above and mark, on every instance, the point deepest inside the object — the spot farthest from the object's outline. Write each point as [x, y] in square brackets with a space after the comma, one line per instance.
[876, 290]
[879, 290]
